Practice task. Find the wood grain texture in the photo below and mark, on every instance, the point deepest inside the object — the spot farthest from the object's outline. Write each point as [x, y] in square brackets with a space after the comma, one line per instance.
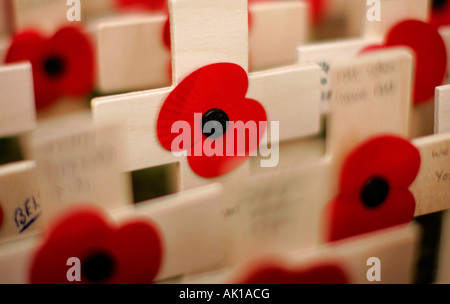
[17, 109]
[131, 54]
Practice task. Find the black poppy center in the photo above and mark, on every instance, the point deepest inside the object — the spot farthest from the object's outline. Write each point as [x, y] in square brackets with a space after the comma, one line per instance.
[374, 192]
[439, 4]
[54, 66]
[98, 267]
[217, 121]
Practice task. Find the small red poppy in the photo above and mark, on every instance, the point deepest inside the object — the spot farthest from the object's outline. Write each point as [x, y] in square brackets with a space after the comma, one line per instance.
[430, 55]
[279, 273]
[216, 94]
[373, 188]
[128, 254]
[440, 13]
[62, 65]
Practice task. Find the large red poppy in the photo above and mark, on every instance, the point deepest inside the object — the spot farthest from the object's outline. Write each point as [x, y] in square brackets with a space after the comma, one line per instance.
[62, 65]
[279, 273]
[128, 254]
[373, 188]
[151, 5]
[216, 93]
[440, 13]
[430, 55]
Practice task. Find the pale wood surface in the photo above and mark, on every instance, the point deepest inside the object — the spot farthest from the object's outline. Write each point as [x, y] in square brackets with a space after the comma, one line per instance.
[396, 247]
[79, 163]
[277, 212]
[277, 29]
[207, 31]
[394, 11]
[21, 200]
[359, 109]
[442, 110]
[17, 110]
[29, 13]
[290, 96]
[324, 54]
[131, 54]
[443, 269]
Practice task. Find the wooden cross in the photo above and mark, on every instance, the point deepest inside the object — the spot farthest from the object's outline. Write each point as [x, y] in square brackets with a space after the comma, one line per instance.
[324, 54]
[216, 34]
[19, 197]
[131, 46]
[395, 248]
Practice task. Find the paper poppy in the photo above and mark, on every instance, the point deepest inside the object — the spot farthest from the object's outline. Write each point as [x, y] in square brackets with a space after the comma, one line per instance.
[278, 273]
[149, 5]
[373, 188]
[430, 55]
[440, 13]
[213, 95]
[62, 65]
[131, 253]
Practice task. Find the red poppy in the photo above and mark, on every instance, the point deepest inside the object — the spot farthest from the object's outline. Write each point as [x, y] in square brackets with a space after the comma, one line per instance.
[440, 13]
[430, 55]
[62, 64]
[128, 254]
[150, 5]
[373, 188]
[216, 94]
[279, 273]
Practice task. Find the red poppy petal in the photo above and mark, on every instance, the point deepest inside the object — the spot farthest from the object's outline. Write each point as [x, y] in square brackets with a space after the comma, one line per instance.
[431, 55]
[74, 235]
[166, 35]
[218, 160]
[78, 52]
[389, 157]
[139, 248]
[327, 273]
[31, 46]
[23, 46]
[347, 216]
[220, 85]
[440, 14]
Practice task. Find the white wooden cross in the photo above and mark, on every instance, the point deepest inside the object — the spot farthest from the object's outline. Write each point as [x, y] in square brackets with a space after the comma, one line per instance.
[205, 32]
[19, 194]
[132, 55]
